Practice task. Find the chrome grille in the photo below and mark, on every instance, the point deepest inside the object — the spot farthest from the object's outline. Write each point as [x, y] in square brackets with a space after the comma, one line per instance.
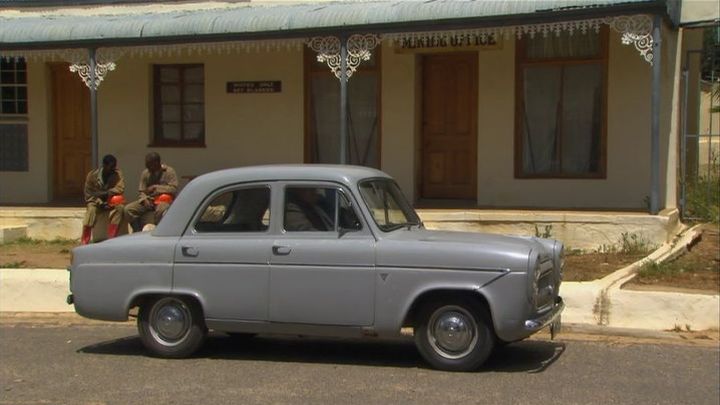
[545, 286]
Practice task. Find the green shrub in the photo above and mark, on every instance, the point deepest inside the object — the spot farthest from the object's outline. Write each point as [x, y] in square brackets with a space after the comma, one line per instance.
[634, 244]
[702, 198]
[545, 234]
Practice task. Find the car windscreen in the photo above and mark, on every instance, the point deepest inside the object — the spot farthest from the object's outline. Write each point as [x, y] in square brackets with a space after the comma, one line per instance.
[387, 205]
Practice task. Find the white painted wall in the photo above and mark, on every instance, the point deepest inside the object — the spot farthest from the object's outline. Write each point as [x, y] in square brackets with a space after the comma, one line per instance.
[240, 129]
[670, 99]
[399, 92]
[247, 129]
[699, 11]
[628, 140]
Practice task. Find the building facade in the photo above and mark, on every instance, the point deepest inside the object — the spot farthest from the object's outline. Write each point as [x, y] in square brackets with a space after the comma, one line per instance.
[465, 104]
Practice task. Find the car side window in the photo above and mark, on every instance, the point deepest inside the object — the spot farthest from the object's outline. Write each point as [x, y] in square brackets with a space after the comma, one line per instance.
[242, 210]
[312, 209]
[309, 209]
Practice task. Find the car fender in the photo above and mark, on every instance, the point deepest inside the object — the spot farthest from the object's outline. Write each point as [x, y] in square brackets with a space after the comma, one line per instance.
[405, 296]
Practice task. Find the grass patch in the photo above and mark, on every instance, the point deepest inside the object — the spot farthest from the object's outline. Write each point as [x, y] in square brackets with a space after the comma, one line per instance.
[703, 199]
[653, 270]
[703, 194]
[635, 244]
[669, 270]
[25, 241]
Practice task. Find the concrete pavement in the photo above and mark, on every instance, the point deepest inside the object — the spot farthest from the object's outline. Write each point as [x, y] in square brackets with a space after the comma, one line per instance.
[601, 302]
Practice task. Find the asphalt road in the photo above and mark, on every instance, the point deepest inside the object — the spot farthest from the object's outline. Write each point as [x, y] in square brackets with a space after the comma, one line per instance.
[98, 364]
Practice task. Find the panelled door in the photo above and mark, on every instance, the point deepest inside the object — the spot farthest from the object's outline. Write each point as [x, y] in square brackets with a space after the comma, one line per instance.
[71, 133]
[449, 126]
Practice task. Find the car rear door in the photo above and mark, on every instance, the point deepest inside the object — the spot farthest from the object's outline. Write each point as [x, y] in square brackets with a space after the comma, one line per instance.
[223, 255]
[321, 273]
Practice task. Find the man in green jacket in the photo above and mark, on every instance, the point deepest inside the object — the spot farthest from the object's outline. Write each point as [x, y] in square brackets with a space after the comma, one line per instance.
[158, 186]
[104, 188]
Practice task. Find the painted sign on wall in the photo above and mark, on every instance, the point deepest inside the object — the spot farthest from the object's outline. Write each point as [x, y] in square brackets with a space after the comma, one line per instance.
[264, 86]
[429, 43]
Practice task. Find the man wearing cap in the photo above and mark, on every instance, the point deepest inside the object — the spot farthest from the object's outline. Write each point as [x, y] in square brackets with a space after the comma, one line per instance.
[104, 189]
[158, 186]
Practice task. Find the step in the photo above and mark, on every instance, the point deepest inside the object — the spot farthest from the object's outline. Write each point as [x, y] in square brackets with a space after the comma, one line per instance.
[12, 233]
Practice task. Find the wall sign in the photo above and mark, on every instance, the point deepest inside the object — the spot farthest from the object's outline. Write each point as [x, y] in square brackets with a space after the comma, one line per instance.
[265, 86]
[430, 43]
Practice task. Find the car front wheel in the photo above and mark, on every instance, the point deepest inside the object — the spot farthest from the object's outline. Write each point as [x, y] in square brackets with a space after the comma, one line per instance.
[171, 327]
[454, 335]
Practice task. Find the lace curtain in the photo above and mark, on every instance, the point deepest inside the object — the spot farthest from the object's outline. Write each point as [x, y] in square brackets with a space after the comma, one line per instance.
[362, 117]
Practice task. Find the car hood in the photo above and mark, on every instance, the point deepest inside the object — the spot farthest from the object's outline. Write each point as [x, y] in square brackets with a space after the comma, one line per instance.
[458, 250]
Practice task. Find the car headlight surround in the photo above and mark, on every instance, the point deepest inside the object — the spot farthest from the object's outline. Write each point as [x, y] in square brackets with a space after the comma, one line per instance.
[559, 259]
[533, 277]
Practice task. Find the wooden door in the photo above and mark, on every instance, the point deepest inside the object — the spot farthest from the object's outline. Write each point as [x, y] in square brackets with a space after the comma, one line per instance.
[71, 133]
[449, 126]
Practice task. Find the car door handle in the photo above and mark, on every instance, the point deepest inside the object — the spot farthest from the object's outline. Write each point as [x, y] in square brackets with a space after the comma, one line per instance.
[281, 250]
[189, 251]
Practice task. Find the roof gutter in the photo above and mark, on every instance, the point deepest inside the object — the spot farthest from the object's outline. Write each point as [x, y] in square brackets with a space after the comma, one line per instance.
[657, 7]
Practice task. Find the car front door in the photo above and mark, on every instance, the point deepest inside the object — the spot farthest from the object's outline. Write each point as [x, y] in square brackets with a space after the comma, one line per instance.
[223, 255]
[322, 264]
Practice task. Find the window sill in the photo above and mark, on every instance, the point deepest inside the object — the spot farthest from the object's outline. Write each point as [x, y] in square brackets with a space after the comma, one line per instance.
[601, 176]
[20, 118]
[176, 145]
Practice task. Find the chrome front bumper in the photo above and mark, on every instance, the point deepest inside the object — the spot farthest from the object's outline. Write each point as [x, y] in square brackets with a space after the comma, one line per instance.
[551, 318]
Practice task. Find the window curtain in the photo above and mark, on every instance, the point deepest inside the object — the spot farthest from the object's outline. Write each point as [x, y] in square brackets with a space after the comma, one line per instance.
[362, 117]
[562, 106]
[565, 45]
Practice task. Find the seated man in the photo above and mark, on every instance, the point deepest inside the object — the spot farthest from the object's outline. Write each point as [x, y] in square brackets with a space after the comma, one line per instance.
[158, 186]
[103, 191]
[304, 212]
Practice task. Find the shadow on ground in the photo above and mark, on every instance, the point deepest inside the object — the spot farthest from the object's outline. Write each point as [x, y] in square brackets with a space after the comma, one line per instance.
[528, 356]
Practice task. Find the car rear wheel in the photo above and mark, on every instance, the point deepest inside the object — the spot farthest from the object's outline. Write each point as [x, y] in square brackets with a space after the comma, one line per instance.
[454, 335]
[171, 327]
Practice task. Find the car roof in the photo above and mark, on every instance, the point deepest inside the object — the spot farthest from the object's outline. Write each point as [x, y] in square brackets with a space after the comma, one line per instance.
[192, 195]
[338, 173]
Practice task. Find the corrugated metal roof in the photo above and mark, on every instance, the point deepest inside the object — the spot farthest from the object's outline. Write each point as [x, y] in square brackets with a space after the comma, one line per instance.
[135, 24]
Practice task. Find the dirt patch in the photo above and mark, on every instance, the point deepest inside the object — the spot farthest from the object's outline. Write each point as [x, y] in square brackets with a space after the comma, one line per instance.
[698, 270]
[32, 254]
[593, 266]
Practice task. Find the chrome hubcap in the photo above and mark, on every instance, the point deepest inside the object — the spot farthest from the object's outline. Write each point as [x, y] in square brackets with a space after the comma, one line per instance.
[170, 321]
[452, 332]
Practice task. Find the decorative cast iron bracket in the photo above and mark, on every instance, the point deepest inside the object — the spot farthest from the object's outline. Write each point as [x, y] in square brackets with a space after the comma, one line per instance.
[636, 30]
[81, 63]
[359, 49]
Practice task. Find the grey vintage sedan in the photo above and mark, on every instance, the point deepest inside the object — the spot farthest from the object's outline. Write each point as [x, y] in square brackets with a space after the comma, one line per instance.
[318, 250]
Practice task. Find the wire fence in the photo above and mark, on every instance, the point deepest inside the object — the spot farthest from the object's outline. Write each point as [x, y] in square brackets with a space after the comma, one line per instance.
[700, 146]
